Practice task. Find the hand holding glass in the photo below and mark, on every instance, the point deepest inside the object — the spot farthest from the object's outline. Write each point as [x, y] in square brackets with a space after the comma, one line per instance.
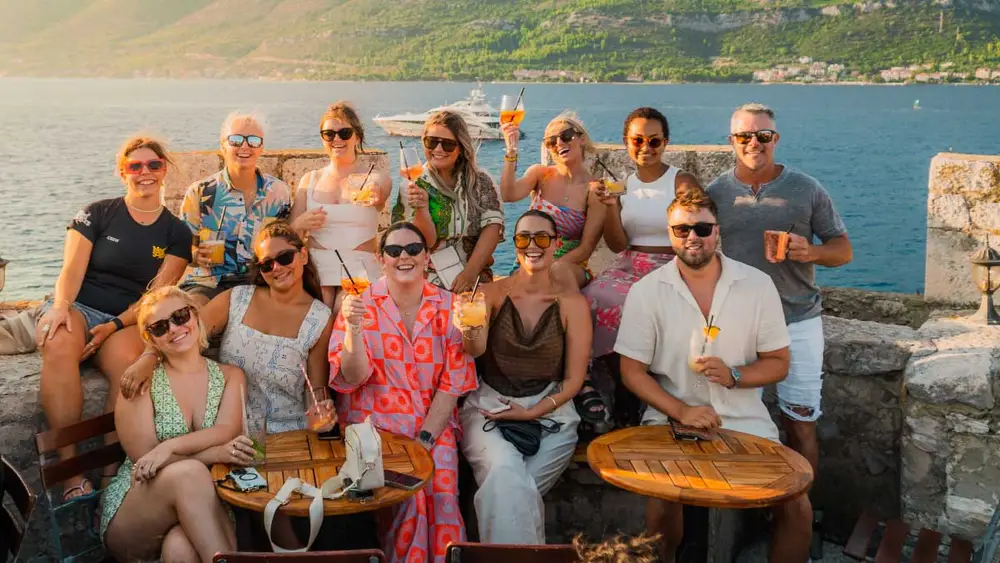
[410, 166]
[470, 311]
[509, 113]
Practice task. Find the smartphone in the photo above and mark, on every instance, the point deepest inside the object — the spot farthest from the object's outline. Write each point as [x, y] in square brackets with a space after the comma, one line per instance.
[402, 480]
[331, 434]
[690, 433]
[247, 479]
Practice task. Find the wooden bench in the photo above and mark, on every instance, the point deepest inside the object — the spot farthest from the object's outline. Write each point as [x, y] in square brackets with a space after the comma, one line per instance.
[895, 534]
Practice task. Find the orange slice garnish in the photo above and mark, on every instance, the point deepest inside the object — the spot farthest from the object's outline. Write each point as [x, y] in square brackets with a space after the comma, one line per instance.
[710, 332]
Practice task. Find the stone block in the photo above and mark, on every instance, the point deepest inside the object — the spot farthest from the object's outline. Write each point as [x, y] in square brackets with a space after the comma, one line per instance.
[270, 164]
[950, 174]
[867, 348]
[985, 216]
[959, 376]
[189, 167]
[711, 161]
[295, 167]
[948, 276]
[973, 474]
[948, 211]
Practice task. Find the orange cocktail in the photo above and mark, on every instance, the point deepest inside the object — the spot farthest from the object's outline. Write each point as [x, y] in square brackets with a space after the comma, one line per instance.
[412, 173]
[355, 286]
[515, 116]
[613, 187]
[471, 310]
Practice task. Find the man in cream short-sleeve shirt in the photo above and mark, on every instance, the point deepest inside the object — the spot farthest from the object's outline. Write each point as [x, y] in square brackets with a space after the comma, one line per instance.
[750, 350]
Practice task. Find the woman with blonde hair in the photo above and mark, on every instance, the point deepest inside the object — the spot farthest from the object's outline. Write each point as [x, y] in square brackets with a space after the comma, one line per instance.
[339, 204]
[454, 204]
[162, 502]
[115, 249]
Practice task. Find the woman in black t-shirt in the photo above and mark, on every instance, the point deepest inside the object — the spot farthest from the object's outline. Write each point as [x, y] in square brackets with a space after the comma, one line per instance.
[115, 249]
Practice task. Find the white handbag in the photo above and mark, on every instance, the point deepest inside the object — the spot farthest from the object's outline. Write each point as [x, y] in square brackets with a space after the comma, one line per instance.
[362, 471]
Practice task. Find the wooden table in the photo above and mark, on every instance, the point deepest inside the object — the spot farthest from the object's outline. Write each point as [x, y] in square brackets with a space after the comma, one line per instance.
[302, 454]
[736, 470]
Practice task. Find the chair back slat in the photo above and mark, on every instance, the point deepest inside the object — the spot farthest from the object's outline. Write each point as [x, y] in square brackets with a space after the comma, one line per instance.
[14, 524]
[18, 488]
[51, 440]
[891, 548]
[58, 471]
[961, 550]
[354, 556]
[465, 552]
[861, 537]
[926, 550]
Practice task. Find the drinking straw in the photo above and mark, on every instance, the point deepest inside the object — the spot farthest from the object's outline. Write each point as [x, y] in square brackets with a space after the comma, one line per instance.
[519, 95]
[368, 175]
[402, 155]
[345, 268]
[608, 170]
[243, 399]
[704, 342]
[790, 228]
[312, 392]
[476, 286]
[221, 219]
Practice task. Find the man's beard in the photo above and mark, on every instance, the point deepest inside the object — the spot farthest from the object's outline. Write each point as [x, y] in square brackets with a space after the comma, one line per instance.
[693, 260]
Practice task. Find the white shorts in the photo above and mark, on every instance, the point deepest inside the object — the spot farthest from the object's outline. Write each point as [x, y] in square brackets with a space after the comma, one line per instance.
[800, 393]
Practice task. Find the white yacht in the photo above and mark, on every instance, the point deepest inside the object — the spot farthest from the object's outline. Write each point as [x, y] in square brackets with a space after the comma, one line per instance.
[483, 120]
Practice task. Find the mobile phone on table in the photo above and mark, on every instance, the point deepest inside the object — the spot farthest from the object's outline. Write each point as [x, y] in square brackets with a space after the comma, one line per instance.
[401, 480]
[691, 433]
[247, 479]
[331, 434]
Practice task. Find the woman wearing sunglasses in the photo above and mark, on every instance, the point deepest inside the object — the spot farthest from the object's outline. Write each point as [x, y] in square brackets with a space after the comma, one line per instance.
[231, 206]
[455, 205]
[332, 205]
[396, 356]
[115, 249]
[162, 503]
[635, 228]
[530, 367]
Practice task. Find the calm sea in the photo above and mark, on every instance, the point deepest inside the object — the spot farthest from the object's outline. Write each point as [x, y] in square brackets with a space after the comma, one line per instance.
[867, 145]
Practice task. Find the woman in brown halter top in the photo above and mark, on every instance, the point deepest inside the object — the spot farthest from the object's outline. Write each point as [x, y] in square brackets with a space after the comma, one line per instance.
[530, 367]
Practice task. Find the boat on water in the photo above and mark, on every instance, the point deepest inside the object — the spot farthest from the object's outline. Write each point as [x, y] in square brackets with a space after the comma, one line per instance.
[482, 118]
[916, 104]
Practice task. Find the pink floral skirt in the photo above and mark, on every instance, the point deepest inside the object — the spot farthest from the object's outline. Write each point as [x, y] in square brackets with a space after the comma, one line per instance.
[606, 294]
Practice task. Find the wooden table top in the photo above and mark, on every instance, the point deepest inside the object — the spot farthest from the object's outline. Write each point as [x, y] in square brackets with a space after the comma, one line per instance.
[302, 454]
[736, 470]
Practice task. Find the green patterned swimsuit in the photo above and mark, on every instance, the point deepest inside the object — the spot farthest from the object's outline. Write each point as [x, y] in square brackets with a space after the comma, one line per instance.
[170, 423]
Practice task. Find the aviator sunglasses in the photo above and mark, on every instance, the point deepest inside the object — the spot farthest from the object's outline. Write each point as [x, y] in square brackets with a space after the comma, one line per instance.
[180, 317]
[449, 145]
[523, 240]
[764, 136]
[702, 230]
[136, 166]
[252, 141]
[566, 136]
[329, 135]
[653, 142]
[284, 258]
[396, 250]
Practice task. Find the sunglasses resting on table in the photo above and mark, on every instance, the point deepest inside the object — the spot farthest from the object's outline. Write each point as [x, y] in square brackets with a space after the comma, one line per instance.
[180, 317]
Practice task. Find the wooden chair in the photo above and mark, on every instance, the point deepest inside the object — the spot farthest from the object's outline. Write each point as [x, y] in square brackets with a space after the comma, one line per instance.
[13, 524]
[55, 472]
[359, 556]
[464, 552]
[896, 532]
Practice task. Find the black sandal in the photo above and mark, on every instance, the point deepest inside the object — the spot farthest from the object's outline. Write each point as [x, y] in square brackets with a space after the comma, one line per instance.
[585, 402]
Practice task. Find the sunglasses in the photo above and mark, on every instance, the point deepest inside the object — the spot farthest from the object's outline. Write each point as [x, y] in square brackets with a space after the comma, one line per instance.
[541, 238]
[180, 317]
[653, 142]
[700, 229]
[136, 166]
[252, 141]
[449, 145]
[329, 135]
[764, 136]
[396, 250]
[566, 136]
[284, 258]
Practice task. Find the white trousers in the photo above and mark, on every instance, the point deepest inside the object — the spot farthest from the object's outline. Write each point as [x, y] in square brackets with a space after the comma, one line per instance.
[509, 503]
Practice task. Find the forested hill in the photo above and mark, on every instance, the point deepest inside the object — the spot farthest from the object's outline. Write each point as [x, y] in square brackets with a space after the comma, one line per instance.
[490, 39]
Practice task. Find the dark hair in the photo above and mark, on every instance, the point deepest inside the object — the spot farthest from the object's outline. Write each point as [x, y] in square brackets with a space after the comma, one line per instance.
[284, 231]
[619, 549]
[537, 213]
[647, 113]
[693, 200]
[401, 226]
[345, 111]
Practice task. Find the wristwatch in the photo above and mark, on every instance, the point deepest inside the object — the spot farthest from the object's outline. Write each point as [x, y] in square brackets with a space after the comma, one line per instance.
[426, 437]
[119, 324]
[736, 378]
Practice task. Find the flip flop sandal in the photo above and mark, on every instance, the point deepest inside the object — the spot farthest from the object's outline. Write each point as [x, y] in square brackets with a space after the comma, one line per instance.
[586, 402]
[82, 488]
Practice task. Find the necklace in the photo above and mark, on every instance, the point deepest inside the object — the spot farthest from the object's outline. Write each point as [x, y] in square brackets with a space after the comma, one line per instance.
[140, 210]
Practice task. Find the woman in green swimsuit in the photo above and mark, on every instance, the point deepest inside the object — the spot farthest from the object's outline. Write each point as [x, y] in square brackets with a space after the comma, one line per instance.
[190, 419]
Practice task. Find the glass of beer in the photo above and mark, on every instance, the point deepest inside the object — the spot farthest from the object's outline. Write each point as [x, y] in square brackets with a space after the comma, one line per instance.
[614, 187]
[410, 166]
[509, 113]
[470, 310]
[775, 246]
[216, 245]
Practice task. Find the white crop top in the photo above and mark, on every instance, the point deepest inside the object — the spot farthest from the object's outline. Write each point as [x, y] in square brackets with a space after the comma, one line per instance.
[644, 209]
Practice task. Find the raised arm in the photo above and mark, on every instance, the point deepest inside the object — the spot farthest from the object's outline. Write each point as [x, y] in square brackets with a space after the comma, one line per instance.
[350, 366]
[513, 189]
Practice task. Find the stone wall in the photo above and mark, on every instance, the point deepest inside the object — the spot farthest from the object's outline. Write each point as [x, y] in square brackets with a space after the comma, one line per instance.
[963, 206]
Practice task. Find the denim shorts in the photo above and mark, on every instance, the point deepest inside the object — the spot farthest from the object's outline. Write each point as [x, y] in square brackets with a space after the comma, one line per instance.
[800, 393]
[91, 316]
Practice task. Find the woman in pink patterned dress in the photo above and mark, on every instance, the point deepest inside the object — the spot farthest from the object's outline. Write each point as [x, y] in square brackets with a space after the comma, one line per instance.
[395, 355]
[635, 226]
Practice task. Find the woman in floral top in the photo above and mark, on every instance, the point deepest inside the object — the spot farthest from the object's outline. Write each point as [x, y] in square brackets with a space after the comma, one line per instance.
[455, 205]
[396, 356]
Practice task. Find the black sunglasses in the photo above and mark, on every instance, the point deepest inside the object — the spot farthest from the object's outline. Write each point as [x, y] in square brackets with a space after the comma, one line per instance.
[449, 145]
[541, 238]
[566, 136]
[253, 141]
[180, 317]
[395, 250]
[700, 229]
[329, 135]
[638, 140]
[764, 136]
[284, 258]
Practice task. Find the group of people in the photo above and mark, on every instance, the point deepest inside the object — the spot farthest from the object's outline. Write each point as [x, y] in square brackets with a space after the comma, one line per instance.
[256, 267]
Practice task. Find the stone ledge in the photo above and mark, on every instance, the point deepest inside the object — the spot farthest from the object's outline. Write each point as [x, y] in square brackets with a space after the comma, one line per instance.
[862, 348]
[964, 367]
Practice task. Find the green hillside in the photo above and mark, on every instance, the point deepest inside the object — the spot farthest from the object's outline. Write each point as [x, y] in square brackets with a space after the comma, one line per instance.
[453, 39]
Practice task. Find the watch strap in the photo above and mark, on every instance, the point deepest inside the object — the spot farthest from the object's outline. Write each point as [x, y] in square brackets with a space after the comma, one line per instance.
[735, 373]
[119, 324]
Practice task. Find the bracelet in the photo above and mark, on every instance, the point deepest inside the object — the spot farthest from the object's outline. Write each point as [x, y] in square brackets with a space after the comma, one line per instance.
[507, 157]
[472, 333]
[148, 353]
[555, 405]
[58, 301]
[119, 324]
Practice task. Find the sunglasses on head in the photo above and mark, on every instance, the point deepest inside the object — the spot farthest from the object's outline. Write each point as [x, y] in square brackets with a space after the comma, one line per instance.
[449, 145]
[764, 136]
[700, 229]
[653, 142]
[396, 250]
[180, 317]
[566, 136]
[252, 141]
[136, 166]
[329, 135]
[284, 258]
[541, 238]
